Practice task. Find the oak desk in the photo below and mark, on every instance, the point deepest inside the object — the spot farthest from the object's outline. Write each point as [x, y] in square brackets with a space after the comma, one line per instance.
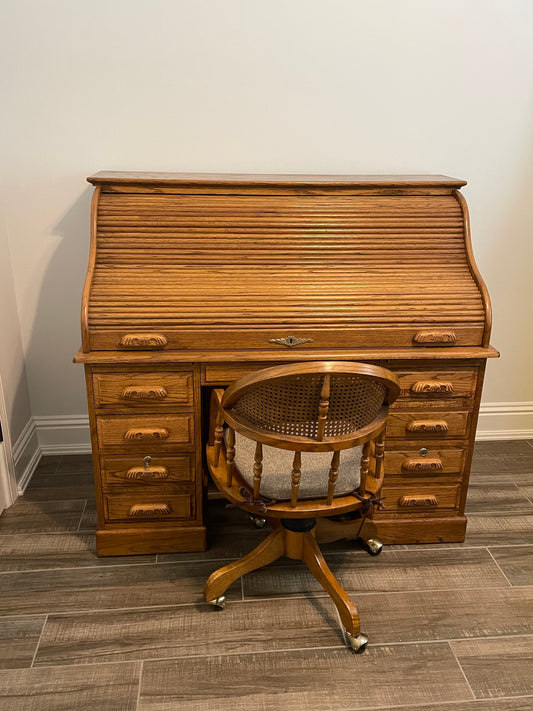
[195, 280]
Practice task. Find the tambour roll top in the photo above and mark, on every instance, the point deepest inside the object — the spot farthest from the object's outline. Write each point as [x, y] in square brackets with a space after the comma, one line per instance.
[184, 262]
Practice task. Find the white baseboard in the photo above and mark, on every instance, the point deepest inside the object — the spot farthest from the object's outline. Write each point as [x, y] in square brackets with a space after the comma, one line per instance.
[26, 455]
[505, 420]
[68, 434]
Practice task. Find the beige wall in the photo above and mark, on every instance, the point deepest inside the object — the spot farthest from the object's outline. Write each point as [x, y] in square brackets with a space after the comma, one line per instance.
[342, 86]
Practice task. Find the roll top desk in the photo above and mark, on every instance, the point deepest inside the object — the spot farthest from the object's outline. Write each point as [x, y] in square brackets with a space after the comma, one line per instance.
[195, 280]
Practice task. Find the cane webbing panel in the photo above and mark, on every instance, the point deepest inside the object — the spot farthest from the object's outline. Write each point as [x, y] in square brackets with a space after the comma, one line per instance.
[291, 405]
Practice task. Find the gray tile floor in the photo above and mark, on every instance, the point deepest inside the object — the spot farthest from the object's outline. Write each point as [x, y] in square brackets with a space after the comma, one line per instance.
[450, 626]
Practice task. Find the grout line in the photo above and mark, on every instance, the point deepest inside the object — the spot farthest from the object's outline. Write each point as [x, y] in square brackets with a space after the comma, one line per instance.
[38, 642]
[141, 671]
[461, 668]
[500, 569]
[82, 515]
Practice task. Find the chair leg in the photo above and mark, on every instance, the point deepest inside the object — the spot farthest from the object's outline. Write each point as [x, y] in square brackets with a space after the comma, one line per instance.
[266, 552]
[314, 560]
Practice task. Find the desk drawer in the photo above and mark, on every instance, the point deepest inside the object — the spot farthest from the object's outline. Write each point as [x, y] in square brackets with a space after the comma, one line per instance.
[430, 424]
[424, 462]
[147, 471]
[140, 390]
[423, 499]
[436, 388]
[146, 432]
[158, 507]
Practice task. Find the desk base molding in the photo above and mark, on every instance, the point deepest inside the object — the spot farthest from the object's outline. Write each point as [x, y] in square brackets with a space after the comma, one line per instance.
[423, 530]
[144, 541]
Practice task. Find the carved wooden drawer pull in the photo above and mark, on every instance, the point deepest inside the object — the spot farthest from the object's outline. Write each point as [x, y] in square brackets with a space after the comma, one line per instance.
[428, 426]
[435, 337]
[432, 386]
[422, 465]
[144, 473]
[423, 500]
[143, 340]
[149, 510]
[155, 392]
[147, 433]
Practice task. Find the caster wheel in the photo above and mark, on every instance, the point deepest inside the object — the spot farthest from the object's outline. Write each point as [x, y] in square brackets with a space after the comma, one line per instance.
[219, 603]
[374, 546]
[358, 643]
[258, 521]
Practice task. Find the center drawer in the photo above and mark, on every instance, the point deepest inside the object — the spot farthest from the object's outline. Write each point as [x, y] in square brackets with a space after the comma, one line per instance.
[146, 432]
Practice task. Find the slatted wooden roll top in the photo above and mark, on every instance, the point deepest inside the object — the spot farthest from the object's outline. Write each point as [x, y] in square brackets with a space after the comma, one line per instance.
[211, 262]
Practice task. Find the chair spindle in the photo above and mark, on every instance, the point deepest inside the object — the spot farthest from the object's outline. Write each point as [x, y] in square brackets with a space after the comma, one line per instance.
[230, 455]
[379, 455]
[295, 478]
[333, 475]
[258, 468]
[323, 407]
[219, 434]
[365, 463]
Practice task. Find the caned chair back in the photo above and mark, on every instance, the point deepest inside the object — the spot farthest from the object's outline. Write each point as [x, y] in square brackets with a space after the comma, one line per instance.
[325, 406]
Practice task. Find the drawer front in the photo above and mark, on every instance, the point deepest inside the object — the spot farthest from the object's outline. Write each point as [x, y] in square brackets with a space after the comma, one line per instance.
[424, 462]
[146, 432]
[420, 499]
[224, 373]
[147, 471]
[149, 507]
[427, 388]
[143, 390]
[427, 425]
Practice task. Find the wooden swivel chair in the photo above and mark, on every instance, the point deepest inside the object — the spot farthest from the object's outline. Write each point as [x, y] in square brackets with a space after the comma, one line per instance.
[275, 444]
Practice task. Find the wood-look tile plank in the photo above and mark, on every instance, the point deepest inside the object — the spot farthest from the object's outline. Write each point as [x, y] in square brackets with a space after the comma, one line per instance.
[48, 463]
[75, 463]
[497, 667]
[226, 542]
[503, 448]
[310, 680]
[18, 640]
[504, 498]
[100, 687]
[89, 517]
[527, 490]
[23, 552]
[449, 614]
[41, 517]
[391, 571]
[499, 529]
[57, 486]
[122, 635]
[494, 460]
[100, 588]
[517, 564]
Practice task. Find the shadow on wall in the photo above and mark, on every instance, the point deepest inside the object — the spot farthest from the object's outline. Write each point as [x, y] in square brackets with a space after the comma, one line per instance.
[56, 384]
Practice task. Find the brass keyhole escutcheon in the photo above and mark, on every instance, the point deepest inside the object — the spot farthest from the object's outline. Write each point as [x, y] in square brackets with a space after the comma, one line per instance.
[423, 452]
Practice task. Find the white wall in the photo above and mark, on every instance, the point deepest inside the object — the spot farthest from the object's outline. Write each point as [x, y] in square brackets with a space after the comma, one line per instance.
[15, 408]
[317, 86]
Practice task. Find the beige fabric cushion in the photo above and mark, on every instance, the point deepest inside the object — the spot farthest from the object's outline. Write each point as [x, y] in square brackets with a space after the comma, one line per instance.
[277, 468]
